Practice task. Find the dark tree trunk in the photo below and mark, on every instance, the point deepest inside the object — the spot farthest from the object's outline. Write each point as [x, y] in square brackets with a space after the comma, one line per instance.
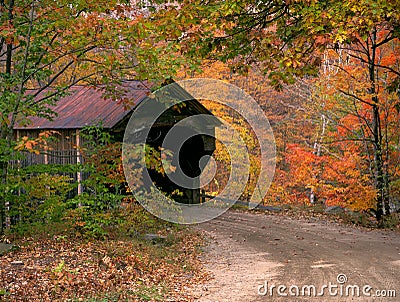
[3, 169]
[378, 162]
[6, 134]
[379, 171]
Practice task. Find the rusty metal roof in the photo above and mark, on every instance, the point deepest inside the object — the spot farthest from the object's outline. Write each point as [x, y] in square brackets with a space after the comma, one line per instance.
[85, 106]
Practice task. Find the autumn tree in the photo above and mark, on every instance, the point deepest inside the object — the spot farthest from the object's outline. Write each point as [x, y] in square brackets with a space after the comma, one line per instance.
[289, 40]
[48, 46]
[370, 80]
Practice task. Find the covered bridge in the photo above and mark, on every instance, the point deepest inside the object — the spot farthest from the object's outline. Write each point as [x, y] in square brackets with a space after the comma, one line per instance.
[86, 106]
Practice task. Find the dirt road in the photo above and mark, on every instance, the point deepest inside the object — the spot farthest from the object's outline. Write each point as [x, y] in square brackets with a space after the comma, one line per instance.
[259, 257]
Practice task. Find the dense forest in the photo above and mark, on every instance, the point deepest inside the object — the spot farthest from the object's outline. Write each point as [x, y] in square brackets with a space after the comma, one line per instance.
[326, 73]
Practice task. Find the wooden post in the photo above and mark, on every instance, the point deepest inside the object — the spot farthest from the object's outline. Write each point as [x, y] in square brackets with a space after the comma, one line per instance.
[78, 161]
[46, 155]
[203, 196]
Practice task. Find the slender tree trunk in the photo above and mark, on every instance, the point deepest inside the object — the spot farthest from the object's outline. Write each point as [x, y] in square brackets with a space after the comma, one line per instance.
[379, 173]
[317, 151]
[378, 162]
[3, 170]
[4, 205]
[5, 134]
[9, 45]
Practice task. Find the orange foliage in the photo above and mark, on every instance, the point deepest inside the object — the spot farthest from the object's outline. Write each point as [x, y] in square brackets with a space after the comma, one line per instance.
[335, 181]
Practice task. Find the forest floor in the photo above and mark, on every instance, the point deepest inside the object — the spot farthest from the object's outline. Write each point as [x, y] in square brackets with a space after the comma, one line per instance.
[240, 256]
[158, 266]
[250, 253]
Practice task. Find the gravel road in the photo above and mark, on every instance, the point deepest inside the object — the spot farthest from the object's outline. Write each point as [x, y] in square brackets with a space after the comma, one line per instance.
[260, 257]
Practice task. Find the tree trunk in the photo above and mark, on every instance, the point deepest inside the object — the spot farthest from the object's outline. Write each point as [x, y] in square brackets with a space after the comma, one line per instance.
[3, 200]
[6, 136]
[378, 162]
[379, 172]
[317, 150]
